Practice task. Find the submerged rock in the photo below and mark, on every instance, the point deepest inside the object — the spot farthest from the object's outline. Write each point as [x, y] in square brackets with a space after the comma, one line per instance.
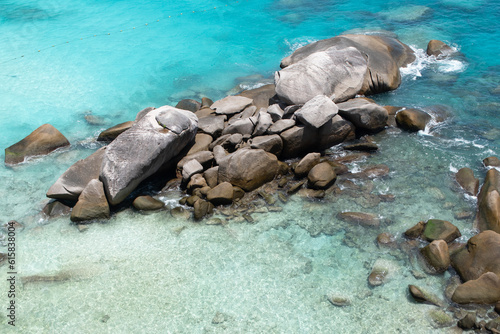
[364, 219]
[337, 300]
[146, 147]
[436, 229]
[71, 183]
[440, 319]
[423, 296]
[43, 140]
[491, 162]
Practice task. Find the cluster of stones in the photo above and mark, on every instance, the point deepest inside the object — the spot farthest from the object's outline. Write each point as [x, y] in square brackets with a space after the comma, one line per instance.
[476, 262]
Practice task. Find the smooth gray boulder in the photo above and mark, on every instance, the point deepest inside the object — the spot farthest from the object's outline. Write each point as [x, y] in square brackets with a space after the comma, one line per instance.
[243, 126]
[145, 148]
[385, 55]
[317, 111]
[321, 176]
[231, 105]
[203, 157]
[334, 132]
[71, 183]
[276, 112]
[248, 168]
[364, 114]
[272, 144]
[201, 143]
[190, 168]
[336, 73]
[307, 163]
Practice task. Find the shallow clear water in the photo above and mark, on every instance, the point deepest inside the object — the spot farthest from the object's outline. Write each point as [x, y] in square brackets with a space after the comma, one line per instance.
[154, 273]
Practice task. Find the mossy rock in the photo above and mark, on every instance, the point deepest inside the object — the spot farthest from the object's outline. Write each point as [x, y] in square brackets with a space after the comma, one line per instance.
[436, 229]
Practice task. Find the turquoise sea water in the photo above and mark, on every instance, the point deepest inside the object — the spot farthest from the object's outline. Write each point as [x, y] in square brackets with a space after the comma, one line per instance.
[61, 61]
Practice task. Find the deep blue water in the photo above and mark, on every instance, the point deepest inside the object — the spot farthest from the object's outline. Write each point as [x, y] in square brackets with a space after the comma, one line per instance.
[60, 61]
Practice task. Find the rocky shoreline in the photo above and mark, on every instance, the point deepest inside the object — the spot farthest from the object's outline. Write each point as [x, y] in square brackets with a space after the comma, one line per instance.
[268, 144]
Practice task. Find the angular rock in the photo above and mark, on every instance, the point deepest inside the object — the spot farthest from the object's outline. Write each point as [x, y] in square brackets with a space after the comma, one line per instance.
[366, 147]
[189, 104]
[481, 255]
[412, 120]
[263, 124]
[437, 255]
[92, 203]
[71, 183]
[437, 48]
[205, 158]
[222, 194]
[147, 203]
[484, 290]
[113, 132]
[220, 154]
[248, 168]
[364, 114]
[317, 111]
[465, 178]
[321, 176]
[201, 143]
[190, 168]
[231, 105]
[202, 208]
[211, 125]
[488, 203]
[197, 181]
[298, 140]
[43, 140]
[55, 208]
[147, 146]
[280, 126]
[206, 102]
[276, 112]
[261, 96]
[335, 72]
[436, 229]
[334, 132]
[272, 144]
[243, 126]
[468, 322]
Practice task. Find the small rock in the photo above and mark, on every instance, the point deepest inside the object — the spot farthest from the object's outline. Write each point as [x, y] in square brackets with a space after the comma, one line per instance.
[190, 168]
[113, 132]
[440, 318]
[465, 178]
[437, 255]
[412, 120]
[491, 162]
[222, 194]
[338, 300]
[468, 322]
[147, 203]
[423, 296]
[307, 163]
[436, 229]
[415, 231]
[437, 48]
[202, 208]
[364, 219]
[180, 213]
[367, 147]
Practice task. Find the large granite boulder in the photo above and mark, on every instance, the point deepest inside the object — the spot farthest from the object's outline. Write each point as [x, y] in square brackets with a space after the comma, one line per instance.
[71, 183]
[412, 120]
[145, 148]
[336, 72]
[222, 194]
[484, 290]
[488, 202]
[92, 203]
[307, 163]
[334, 132]
[364, 114]
[43, 140]
[481, 255]
[317, 111]
[384, 54]
[248, 168]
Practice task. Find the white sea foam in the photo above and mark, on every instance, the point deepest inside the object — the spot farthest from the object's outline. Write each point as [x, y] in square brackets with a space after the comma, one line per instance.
[453, 169]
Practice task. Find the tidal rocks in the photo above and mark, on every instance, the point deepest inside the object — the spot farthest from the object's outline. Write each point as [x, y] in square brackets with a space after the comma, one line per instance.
[321, 176]
[248, 168]
[484, 290]
[92, 203]
[211, 125]
[488, 202]
[202, 208]
[436, 229]
[465, 178]
[381, 272]
[334, 72]
[71, 183]
[491, 162]
[412, 120]
[437, 48]
[272, 144]
[113, 132]
[146, 147]
[317, 111]
[231, 105]
[364, 114]
[147, 203]
[43, 140]
[437, 255]
[481, 255]
[190, 168]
